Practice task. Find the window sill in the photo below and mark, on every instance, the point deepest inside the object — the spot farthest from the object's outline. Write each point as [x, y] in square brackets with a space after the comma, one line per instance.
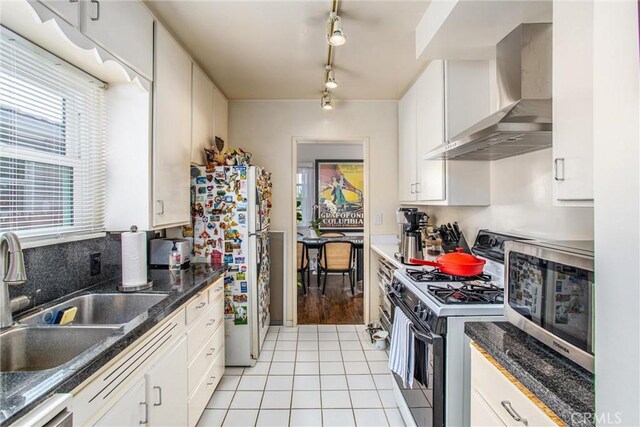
[35, 242]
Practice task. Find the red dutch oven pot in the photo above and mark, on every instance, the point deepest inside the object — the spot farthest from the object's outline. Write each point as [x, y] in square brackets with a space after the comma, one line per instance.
[455, 263]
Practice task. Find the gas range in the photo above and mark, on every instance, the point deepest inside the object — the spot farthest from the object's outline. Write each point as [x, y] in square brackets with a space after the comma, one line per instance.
[473, 296]
[437, 306]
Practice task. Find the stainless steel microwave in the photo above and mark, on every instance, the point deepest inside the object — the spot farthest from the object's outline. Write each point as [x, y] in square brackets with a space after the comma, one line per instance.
[549, 293]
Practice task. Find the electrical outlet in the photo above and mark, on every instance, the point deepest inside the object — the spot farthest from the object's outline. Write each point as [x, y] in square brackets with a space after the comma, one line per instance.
[378, 218]
[95, 263]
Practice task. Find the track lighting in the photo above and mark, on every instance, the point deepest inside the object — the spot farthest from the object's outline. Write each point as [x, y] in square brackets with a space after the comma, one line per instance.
[326, 101]
[336, 36]
[330, 78]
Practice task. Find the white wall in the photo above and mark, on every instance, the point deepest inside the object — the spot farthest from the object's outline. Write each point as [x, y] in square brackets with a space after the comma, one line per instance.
[616, 118]
[266, 129]
[521, 202]
[309, 153]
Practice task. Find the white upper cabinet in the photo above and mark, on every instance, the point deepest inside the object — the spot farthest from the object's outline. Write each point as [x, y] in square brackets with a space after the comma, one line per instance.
[407, 146]
[123, 28]
[448, 97]
[573, 103]
[430, 122]
[172, 132]
[69, 10]
[202, 103]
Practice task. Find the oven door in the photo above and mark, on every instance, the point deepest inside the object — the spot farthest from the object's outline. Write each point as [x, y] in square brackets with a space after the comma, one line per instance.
[425, 401]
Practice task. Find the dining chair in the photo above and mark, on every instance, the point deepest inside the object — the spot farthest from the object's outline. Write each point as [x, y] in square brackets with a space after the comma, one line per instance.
[302, 264]
[337, 257]
[327, 234]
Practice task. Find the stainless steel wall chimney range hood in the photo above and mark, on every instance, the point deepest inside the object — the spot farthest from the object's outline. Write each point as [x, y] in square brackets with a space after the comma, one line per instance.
[523, 122]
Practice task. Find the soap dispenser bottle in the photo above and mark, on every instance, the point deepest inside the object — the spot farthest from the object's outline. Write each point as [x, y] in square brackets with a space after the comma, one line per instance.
[175, 258]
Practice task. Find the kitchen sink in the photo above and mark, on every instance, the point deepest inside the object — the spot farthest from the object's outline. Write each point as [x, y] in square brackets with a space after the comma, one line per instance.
[100, 309]
[36, 348]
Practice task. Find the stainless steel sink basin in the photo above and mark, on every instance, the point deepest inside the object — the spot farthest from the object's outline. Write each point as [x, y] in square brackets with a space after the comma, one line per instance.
[36, 348]
[100, 309]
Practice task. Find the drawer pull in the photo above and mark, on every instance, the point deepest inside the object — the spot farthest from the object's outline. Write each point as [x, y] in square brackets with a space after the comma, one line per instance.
[211, 322]
[213, 379]
[213, 350]
[202, 304]
[146, 413]
[218, 289]
[159, 396]
[507, 406]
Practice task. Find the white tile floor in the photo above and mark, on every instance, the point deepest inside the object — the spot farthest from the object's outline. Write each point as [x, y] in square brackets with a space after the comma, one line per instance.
[325, 375]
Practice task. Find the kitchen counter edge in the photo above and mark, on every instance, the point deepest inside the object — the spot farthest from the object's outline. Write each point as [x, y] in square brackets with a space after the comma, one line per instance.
[387, 251]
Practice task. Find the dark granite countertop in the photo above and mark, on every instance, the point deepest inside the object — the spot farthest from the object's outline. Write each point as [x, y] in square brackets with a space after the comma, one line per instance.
[20, 392]
[566, 388]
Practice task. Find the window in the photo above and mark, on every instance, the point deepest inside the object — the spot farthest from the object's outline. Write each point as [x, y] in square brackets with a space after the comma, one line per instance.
[52, 143]
[304, 195]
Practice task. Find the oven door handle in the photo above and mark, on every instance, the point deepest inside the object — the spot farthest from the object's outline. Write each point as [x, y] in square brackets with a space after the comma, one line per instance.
[420, 336]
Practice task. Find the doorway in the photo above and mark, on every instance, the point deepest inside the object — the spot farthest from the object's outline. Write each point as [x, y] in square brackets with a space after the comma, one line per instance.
[331, 223]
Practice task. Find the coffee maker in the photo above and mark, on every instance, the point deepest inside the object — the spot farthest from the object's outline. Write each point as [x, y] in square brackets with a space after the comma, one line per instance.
[411, 223]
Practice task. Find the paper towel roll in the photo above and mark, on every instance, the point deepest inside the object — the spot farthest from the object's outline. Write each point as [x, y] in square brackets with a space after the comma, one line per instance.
[134, 258]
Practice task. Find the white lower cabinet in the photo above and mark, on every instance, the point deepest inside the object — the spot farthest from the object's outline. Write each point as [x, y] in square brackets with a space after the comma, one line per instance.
[205, 342]
[481, 412]
[167, 377]
[167, 387]
[497, 400]
[131, 410]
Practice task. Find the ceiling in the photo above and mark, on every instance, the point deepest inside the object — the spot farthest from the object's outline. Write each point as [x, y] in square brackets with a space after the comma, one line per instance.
[266, 49]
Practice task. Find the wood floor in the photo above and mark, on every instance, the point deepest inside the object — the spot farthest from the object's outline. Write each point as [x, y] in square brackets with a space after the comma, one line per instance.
[337, 307]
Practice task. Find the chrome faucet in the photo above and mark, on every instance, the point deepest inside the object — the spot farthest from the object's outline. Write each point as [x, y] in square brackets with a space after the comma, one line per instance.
[12, 272]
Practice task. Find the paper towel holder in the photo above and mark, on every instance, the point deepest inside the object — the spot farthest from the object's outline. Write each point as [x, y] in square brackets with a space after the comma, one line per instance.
[134, 288]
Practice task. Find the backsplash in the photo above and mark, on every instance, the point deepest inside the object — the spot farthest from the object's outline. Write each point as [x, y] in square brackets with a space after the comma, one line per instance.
[58, 270]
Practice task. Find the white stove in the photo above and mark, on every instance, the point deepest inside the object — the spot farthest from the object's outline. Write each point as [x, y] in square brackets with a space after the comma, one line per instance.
[438, 305]
[488, 289]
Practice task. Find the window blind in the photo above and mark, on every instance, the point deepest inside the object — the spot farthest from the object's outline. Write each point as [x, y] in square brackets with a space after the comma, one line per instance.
[52, 143]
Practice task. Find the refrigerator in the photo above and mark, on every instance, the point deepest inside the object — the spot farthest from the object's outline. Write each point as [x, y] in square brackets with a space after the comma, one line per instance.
[230, 207]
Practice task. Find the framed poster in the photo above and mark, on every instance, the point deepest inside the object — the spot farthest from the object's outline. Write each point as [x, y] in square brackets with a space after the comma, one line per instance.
[339, 195]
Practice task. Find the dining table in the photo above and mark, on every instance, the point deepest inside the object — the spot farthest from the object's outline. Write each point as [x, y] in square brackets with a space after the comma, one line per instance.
[357, 241]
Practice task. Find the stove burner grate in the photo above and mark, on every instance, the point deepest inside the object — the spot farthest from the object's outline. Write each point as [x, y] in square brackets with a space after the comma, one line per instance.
[436, 275]
[468, 293]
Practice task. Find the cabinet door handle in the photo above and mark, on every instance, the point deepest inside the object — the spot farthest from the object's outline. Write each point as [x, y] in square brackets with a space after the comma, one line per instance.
[146, 413]
[418, 187]
[73, 1]
[211, 322]
[213, 379]
[556, 169]
[202, 304]
[213, 350]
[97, 17]
[507, 406]
[159, 396]
[161, 203]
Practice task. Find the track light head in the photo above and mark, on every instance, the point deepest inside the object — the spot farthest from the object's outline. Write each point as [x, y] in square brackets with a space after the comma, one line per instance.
[336, 36]
[330, 81]
[325, 101]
